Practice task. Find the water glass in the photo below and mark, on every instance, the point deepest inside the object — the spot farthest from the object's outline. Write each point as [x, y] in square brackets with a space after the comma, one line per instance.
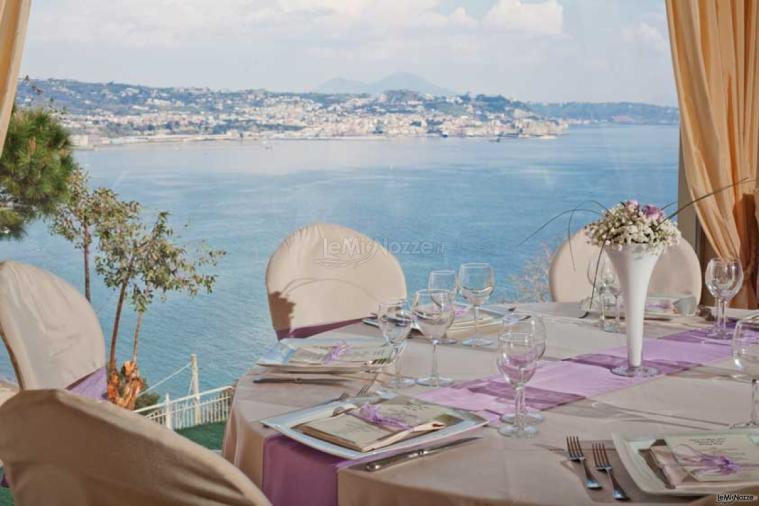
[603, 277]
[724, 279]
[476, 282]
[531, 416]
[394, 318]
[746, 358]
[433, 312]
[520, 347]
[445, 279]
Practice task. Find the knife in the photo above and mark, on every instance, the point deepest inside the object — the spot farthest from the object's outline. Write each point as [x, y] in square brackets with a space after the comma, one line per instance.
[314, 381]
[415, 454]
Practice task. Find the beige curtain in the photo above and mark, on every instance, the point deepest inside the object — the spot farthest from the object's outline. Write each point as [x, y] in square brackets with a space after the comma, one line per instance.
[13, 18]
[716, 60]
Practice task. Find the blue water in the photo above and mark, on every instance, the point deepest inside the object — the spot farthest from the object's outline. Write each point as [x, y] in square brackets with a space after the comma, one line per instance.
[469, 200]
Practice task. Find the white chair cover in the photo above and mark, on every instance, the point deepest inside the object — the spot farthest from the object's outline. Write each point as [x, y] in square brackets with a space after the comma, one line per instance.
[61, 449]
[324, 273]
[677, 272]
[51, 332]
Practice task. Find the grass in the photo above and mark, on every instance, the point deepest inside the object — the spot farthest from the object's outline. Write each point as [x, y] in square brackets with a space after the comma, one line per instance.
[209, 436]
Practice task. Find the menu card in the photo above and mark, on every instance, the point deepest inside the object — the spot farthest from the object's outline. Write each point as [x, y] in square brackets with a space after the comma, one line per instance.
[341, 353]
[370, 426]
[716, 457]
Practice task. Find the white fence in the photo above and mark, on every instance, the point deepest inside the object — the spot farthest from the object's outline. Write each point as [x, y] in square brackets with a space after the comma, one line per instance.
[197, 409]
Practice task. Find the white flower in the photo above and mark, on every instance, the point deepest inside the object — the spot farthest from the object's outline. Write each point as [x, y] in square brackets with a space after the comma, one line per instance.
[629, 223]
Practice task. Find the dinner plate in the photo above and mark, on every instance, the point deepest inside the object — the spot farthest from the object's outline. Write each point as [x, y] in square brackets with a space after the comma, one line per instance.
[629, 447]
[277, 358]
[284, 424]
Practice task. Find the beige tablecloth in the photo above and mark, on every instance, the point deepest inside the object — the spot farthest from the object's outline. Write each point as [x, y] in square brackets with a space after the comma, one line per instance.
[497, 470]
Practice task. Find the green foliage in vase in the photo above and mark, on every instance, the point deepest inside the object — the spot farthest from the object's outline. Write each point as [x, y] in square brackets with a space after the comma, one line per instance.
[35, 167]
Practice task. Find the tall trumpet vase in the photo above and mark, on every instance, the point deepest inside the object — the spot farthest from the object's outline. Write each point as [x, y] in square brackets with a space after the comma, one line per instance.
[634, 264]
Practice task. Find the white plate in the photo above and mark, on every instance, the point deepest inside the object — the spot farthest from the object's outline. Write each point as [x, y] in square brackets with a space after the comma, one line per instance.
[277, 357]
[628, 448]
[284, 425]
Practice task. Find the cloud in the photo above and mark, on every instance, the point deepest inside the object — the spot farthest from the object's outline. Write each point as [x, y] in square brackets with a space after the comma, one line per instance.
[545, 17]
[646, 35]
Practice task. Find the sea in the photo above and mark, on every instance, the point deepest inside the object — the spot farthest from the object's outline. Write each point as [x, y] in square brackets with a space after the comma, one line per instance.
[433, 202]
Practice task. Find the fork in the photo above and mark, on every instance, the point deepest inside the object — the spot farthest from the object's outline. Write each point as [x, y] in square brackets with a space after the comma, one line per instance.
[601, 459]
[576, 455]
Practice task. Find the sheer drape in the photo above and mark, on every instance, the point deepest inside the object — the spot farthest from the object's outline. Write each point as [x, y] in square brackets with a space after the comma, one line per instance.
[13, 18]
[715, 58]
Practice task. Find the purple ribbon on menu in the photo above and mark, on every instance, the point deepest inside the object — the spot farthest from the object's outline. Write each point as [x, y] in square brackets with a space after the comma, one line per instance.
[336, 351]
[722, 464]
[371, 413]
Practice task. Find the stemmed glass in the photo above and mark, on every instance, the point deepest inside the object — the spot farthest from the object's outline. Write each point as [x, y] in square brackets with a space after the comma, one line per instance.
[531, 417]
[519, 349]
[394, 320]
[601, 273]
[433, 313]
[476, 282]
[746, 357]
[724, 278]
[445, 279]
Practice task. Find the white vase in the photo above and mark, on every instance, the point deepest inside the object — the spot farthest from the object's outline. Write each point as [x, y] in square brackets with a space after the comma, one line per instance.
[634, 264]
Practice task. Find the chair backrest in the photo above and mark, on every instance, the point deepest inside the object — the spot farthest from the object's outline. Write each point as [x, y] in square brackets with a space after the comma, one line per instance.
[52, 334]
[61, 449]
[677, 272]
[324, 274]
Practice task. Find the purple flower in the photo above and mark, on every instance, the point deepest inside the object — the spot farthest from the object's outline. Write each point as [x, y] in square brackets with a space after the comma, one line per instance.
[371, 413]
[652, 212]
[632, 203]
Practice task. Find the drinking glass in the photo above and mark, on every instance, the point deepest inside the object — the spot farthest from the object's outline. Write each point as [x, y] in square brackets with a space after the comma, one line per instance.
[602, 275]
[724, 278]
[519, 349]
[433, 313]
[395, 320]
[476, 282]
[445, 280]
[531, 417]
[746, 358]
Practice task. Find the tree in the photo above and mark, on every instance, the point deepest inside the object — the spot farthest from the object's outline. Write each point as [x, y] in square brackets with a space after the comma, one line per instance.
[35, 167]
[141, 262]
[76, 219]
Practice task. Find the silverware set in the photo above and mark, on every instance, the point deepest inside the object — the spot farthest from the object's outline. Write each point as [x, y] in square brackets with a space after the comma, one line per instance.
[600, 462]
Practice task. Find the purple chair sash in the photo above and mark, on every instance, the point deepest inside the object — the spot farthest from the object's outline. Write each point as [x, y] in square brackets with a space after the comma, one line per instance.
[302, 332]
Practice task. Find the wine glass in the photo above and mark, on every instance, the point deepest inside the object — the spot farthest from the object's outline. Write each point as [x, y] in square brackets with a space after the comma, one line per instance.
[746, 358]
[519, 349]
[445, 279]
[433, 314]
[394, 320]
[531, 417]
[602, 275]
[724, 278]
[476, 282]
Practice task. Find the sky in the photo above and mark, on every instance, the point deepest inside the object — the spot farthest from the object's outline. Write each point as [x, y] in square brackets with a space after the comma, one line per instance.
[537, 50]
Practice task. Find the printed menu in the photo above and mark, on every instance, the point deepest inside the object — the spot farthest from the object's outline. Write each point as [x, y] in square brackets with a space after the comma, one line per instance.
[370, 426]
[340, 353]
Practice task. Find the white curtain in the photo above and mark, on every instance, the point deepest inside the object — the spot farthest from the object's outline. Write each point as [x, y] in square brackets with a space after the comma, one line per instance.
[14, 15]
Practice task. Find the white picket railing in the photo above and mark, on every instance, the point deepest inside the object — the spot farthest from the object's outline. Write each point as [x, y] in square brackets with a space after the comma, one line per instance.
[195, 409]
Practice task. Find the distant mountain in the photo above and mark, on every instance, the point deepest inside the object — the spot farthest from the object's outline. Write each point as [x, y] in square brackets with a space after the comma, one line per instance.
[397, 81]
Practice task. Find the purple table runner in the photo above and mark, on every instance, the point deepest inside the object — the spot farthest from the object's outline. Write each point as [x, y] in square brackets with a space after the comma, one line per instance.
[294, 474]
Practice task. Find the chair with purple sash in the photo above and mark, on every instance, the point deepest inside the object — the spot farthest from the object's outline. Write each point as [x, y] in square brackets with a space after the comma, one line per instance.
[325, 276]
[51, 332]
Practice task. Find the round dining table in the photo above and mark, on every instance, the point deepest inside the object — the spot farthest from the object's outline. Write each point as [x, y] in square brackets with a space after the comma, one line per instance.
[494, 470]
